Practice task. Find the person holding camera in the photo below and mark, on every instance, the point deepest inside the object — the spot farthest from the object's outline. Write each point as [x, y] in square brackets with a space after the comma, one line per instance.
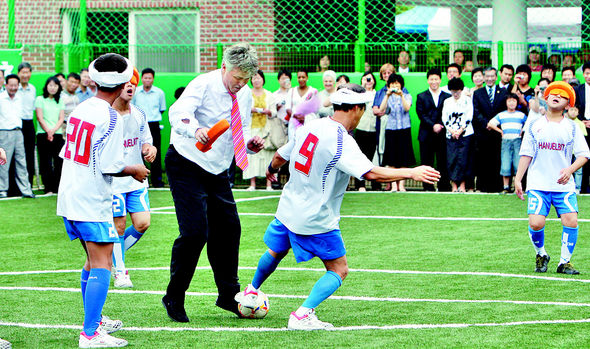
[522, 88]
[398, 138]
[366, 131]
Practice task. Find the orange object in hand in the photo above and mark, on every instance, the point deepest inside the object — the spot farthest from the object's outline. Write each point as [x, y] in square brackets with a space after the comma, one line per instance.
[214, 132]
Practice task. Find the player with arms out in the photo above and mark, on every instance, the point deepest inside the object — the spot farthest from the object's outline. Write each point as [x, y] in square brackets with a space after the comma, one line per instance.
[130, 195]
[546, 152]
[322, 158]
[93, 154]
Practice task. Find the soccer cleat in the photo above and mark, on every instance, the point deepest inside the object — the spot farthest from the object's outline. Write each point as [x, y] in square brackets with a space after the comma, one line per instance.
[122, 279]
[247, 298]
[567, 268]
[541, 263]
[110, 326]
[4, 344]
[307, 322]
[100, 339]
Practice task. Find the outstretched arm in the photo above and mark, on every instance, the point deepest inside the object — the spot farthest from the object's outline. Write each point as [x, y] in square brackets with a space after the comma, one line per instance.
[424, 174]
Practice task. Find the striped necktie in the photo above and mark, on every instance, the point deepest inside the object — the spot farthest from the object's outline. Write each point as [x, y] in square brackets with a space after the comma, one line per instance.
[491, 94]
[237, 134]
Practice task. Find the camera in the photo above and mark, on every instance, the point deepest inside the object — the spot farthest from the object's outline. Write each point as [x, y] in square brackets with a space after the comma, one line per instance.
[368, 79]
[395, 90]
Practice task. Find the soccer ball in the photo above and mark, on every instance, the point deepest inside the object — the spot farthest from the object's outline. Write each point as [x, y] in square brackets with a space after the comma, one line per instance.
[258, 312]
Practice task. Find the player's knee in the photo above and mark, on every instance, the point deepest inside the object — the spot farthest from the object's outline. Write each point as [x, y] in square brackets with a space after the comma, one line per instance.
[569, 221]
[342, 271]
[537, 224]
[142, 226]
[277, 255]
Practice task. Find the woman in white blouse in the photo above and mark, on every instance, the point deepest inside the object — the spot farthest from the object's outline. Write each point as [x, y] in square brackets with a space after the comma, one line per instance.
[457, 117]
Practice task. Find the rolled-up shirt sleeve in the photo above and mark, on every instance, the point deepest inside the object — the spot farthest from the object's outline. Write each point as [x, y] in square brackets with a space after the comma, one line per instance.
[182, 112]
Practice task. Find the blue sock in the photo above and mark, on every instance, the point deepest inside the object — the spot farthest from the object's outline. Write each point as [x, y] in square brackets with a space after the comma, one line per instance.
[323, 288]
[538, 240]
[266, 266]
[83, 282]
[131, 237]
[569, 236]
[96, 294]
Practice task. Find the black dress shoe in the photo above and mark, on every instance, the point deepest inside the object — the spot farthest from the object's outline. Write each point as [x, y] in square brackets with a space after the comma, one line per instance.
[175, 309]
[229, 305]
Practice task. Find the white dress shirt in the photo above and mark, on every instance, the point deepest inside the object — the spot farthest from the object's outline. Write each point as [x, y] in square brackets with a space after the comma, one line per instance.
[10, 111]
[435, 95]
[28, 95]
[587, 96]
[204, 102]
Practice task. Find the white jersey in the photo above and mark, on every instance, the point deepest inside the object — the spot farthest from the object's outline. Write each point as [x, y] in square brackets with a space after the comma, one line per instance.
[93, 149]
[322, 157]
[551, 146]
[137, 133]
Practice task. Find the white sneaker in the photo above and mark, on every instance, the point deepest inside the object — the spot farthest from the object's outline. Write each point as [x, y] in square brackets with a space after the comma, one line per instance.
[122, 280]
[251, 188]
[247, 298]
[110, 326]
[100, 340]
[307, 322]
[4, 344]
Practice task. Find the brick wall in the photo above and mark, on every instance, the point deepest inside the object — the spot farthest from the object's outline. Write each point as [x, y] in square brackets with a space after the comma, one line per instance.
[39, 25]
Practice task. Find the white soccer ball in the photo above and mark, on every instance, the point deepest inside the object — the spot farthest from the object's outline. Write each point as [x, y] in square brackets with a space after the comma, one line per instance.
[259, 311]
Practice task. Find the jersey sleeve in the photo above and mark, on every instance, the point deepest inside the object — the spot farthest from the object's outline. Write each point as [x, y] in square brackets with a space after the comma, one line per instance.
[286, 150]
[144, 130]
[527, 147]
[580, 145]
[353, 161]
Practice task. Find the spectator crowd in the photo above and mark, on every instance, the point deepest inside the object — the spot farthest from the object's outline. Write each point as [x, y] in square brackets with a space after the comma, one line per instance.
[471, 135]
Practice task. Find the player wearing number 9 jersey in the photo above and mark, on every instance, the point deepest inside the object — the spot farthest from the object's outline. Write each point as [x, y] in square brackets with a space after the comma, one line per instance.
[322, 158]
[93, 153]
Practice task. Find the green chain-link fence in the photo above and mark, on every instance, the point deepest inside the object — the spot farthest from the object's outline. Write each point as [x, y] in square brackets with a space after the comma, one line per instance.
[188, 36]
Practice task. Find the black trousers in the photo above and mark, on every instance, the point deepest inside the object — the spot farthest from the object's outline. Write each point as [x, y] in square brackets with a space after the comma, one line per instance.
[156, 166]
[367, 142]
[49, 161]
[487, 161]
[29, 139]
[435, 147]
[206, 214]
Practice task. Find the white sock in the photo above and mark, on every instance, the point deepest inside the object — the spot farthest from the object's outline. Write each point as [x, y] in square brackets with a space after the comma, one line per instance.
[540, 250]
[302, 311]
[118, 257]
[251, 288]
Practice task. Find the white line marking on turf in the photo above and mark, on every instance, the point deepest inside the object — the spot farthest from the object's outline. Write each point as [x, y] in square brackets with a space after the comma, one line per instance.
[381, 271]
[287, 296]
[281, 329]
[156, 209]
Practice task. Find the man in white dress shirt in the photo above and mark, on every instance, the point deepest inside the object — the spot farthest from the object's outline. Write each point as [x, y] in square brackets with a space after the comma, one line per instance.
[199, 181]
[11, 138]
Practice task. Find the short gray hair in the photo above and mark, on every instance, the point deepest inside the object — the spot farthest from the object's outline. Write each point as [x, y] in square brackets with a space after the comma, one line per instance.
[242, 56]
[487, 69]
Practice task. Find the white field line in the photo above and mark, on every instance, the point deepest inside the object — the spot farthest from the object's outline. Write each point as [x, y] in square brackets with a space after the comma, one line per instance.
[286, 296]
[281, 329]
[157, 209]
[380, 271]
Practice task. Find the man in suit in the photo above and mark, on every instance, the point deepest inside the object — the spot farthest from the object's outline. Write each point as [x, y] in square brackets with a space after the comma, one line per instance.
[432, 132]
[582, 98]
[487, 102]
[506, 74]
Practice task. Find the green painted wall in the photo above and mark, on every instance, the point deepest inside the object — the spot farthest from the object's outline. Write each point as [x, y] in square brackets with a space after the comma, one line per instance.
[169, 82]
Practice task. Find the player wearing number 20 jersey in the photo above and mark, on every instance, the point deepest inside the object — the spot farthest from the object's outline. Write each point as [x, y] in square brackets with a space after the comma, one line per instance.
[93, 150]
[323, 157]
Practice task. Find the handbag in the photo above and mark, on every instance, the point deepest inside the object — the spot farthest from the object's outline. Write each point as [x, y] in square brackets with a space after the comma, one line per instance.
[275, 134]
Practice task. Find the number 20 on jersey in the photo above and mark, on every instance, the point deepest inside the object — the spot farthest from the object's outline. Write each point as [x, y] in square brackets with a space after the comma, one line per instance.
[79, 140]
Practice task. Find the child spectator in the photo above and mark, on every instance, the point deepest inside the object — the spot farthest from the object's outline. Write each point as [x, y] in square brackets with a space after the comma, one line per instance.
[522, 87]
[509, 124]
[547, 149]
[457, 116]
